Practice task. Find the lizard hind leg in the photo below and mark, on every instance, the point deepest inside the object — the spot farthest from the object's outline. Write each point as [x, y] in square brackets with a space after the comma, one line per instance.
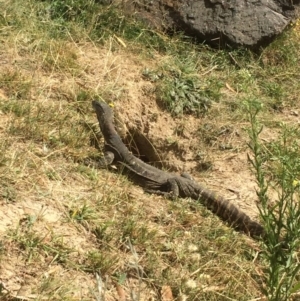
[169, 189]
[173, 189]
[187, 176]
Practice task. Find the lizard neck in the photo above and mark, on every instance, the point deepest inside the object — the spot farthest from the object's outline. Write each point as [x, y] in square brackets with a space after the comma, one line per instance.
[112, 138]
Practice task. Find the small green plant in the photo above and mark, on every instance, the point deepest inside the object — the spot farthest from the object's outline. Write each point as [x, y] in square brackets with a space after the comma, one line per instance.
[181, 92]
[71, 10]
[184, 95]
[103, 232]
[83, 214]
[15, 84]
[99, 262]
[276, 93]
[60, 57]
[281, 218]
[111, 21]
[273, 89]
[179, 87]
[19, 108]
[34, 244]
[136, 232]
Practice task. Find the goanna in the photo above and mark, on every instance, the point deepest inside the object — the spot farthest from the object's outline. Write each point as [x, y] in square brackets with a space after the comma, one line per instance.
[158, 181]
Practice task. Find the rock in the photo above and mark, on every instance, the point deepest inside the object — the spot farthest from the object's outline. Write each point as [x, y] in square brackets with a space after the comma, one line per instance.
[250, 23]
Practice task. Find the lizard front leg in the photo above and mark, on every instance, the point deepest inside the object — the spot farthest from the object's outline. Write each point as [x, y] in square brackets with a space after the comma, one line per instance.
[102, 162]
[107, 159]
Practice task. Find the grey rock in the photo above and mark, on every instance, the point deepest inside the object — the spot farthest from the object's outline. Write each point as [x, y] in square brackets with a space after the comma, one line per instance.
[250, 23]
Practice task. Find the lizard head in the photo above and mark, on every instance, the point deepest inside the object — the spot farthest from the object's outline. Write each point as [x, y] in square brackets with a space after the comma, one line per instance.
[103, 110]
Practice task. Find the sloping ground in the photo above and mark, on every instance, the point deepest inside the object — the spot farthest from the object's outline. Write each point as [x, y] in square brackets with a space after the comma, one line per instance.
[51, 206]
[69, 232]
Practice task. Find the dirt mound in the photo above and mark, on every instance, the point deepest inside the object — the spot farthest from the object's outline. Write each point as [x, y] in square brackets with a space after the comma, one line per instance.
[212, 152]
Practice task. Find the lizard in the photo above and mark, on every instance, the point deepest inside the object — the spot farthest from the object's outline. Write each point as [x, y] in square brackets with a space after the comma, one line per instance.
[155, 180]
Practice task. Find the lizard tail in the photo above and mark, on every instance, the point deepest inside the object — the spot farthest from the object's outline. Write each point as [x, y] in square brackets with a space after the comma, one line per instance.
[231, 214]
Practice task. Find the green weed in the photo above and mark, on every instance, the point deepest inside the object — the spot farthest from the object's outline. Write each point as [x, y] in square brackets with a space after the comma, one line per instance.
[280, 217]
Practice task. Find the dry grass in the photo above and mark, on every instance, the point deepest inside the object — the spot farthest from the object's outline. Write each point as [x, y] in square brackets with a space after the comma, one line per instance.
[69, 232]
